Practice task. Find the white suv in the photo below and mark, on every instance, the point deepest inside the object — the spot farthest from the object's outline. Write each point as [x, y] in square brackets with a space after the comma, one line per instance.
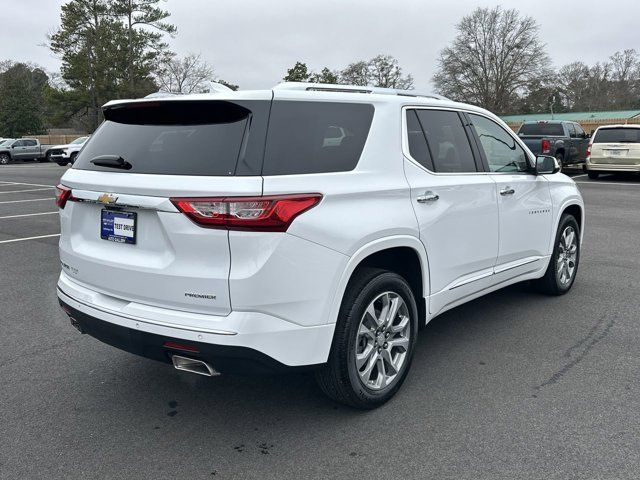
[224, 233]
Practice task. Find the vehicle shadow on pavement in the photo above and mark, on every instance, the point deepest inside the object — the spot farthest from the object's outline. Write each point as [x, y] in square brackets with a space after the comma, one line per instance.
[252, 397]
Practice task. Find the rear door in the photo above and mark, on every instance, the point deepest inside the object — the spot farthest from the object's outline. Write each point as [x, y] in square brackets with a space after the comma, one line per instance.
[32, 149]
[524, 199]
[573, 144]
[455, 203]
[123, 237]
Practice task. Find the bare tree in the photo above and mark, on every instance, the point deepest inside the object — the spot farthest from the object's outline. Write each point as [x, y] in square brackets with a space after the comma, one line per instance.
[495, 57]
[386, 72]
[625, 78]
[356, 73]
[380, 71]
[189, 74]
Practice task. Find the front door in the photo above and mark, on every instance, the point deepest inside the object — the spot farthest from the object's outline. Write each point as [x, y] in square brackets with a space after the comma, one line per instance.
[18, 150]
[524, 200]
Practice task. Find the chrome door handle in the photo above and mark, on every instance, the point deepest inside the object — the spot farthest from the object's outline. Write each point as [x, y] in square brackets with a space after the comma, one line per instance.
[507, 191]
[428, 197]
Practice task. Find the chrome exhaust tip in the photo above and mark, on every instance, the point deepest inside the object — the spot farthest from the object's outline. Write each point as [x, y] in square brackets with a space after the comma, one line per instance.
[194, 366]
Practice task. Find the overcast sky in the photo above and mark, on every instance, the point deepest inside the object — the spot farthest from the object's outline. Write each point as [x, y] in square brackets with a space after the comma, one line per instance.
[253, 42]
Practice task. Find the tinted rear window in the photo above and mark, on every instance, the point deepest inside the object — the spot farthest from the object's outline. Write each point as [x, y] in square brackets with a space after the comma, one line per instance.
[542, 129]
[617, 135]
[315, 137]
[217, 138]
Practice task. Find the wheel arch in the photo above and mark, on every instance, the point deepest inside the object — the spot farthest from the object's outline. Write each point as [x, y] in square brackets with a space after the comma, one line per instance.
[397, 253]
[575, 208]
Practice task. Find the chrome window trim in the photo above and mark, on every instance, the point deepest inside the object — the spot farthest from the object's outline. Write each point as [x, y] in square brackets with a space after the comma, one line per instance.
[407, 154]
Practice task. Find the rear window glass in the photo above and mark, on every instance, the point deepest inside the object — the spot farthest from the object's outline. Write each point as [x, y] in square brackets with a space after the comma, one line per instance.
[217, 138]
[418, 147]
[617, 135]
[542, 129]
[315, 137]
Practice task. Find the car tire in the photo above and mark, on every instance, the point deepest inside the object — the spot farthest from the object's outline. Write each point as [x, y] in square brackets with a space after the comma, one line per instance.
[72, 157]
[5, 159]
[593, 175]
[560, 159]
[565, 259]
[365, 344]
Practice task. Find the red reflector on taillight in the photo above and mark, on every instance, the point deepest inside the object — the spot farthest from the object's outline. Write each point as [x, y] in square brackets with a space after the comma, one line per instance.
[181, 346]
[589, 150]
[63, 194]
[546, 146]
[267, 214]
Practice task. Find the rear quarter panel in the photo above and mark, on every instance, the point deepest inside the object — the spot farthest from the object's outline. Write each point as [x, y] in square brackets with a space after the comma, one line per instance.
[360, 209]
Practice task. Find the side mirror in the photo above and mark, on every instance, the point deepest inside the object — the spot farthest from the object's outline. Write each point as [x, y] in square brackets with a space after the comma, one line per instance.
[546, 165]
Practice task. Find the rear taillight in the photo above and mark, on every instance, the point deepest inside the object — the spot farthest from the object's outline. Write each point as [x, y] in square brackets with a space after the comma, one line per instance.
[589, 151]
[267, 214]
[546, 146]
[63, 194]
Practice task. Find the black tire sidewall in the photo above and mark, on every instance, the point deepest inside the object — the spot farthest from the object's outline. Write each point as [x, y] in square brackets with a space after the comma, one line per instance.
[5, 159]
[565, 221]
[384, 282]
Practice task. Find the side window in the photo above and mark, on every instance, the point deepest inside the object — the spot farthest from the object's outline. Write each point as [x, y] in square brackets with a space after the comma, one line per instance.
[18, 143]
[502, 152]
[572, 130]
[30, 143]
[418, 148]
[447, 141]
[580, 133]
[302, 137]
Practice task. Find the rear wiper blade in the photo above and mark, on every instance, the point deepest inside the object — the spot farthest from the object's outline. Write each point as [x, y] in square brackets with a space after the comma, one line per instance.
[111, 161]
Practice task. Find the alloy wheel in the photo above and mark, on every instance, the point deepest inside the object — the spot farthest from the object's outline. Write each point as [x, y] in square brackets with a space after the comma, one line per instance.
[382, 341]
[567, 256]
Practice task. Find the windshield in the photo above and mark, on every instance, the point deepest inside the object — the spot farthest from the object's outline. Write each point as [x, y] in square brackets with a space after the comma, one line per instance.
[542, 129]
[6, 142]
[617, 135]
[79, 140]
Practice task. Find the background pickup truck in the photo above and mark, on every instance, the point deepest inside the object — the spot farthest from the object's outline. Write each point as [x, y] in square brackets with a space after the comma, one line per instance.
[23, 149]
[566, 141]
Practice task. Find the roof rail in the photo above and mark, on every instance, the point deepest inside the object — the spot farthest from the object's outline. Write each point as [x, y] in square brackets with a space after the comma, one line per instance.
[329, 87]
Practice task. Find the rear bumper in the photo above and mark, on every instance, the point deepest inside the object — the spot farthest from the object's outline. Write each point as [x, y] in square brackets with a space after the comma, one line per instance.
[607, 167]
[253, 343]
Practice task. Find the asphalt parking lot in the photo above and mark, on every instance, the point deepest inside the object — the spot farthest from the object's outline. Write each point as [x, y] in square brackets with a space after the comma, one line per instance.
[513, 385]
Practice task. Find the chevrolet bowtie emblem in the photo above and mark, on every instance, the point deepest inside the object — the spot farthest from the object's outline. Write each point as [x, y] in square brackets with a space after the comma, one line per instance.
[107, 198]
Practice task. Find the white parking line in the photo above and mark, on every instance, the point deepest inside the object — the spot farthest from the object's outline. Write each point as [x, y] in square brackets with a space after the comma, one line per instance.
[50, 199]
[32, 166]
[610, 183]
[28, 190]
[29, 238]
[27, 215]
[6, 184]
[578, 176]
